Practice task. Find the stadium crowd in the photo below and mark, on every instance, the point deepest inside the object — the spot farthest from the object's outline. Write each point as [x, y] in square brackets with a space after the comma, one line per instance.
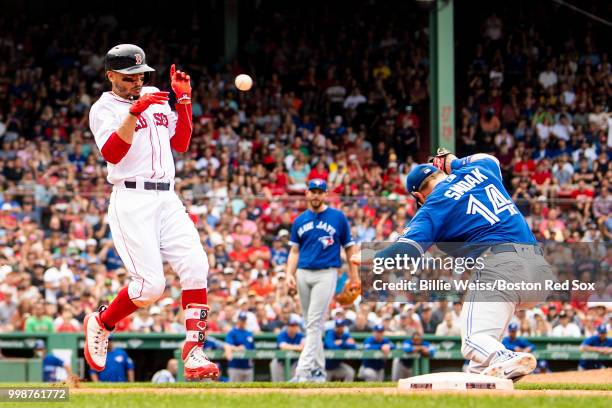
[346, 103]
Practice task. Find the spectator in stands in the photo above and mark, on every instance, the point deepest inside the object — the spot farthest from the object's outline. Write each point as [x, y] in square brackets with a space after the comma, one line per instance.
[565, 328]
[167, 375]
[8, 308]
[54, 368]
[39, 321]
[239, 339]
[119, 366]
[599, 343]
[428, 321]
[290, 339]
[448, 327]
[374, 369]
[514, 343]
[402, 368]
[542, 327]
[339, 338]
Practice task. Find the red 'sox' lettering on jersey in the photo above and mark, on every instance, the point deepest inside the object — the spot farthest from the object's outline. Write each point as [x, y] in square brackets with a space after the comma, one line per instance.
[160, 119]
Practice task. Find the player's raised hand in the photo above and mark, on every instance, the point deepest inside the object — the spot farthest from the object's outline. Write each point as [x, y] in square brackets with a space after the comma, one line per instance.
[442, 160]
[147, 100]
[181, 85]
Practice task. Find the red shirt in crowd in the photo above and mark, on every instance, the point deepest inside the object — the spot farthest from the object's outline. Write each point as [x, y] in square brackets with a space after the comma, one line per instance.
[524, 166]
[316, 174]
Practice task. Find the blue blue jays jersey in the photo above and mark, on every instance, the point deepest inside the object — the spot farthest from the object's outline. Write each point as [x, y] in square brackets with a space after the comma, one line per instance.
[329, 342]
[517, 342]
[117, 365]
[408, 347]
[372, 344]
[283, 337]
[240, 337]
[470, 205]
[320, 237]
[595, 341]
[51, 364]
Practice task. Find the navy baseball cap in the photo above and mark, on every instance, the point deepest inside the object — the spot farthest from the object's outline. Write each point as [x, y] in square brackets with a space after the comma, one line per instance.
[340, 322]
[242, 316]
[378, 328]
[317, 183]
[602, 329]
[417, 175]
[512, 327]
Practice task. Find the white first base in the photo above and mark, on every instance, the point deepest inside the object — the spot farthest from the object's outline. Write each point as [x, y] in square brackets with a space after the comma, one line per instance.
[453, 381]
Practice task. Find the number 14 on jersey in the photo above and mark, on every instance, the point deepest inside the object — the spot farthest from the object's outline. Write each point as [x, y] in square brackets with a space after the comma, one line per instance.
[497, 199]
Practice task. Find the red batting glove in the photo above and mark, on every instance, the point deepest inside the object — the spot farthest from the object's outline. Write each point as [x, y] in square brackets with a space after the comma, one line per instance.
[180, 85]
[148, 99]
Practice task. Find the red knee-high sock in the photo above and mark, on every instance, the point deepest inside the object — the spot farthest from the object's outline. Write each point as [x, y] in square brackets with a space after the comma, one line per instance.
[121, 307]
[193, 296]
[196, 315]
[195, 318]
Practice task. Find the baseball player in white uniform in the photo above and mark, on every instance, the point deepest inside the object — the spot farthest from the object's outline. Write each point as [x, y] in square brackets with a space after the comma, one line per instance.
[136, 131]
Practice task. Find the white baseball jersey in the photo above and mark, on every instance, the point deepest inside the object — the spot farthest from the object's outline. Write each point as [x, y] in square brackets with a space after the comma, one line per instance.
[150, 155]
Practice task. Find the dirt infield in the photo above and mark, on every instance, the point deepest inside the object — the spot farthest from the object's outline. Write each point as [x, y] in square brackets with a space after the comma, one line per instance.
[575, 377]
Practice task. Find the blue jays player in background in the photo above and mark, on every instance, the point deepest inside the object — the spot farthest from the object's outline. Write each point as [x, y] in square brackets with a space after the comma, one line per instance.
[119, 366]
[317, 236]
[374, 369]
[599, 343]
[290, 339]
[514, 343]
[339, 338]
[54, 368]
[239, 338]
[464, 201]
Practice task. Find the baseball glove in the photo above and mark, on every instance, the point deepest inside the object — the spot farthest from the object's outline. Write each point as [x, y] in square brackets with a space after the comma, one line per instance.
[439, 160]
[349, 293]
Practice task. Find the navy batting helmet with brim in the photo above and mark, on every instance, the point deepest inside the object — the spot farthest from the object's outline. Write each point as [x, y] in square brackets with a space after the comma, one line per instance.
[418, 175]
[126, 59]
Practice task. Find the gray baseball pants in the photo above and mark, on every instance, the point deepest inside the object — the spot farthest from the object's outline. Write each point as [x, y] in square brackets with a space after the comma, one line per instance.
[316, 289]
[486, 314]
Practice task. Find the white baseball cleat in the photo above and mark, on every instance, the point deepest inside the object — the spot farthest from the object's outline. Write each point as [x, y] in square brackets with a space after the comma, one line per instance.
[198, 366]
[511, 365]
[96, 341]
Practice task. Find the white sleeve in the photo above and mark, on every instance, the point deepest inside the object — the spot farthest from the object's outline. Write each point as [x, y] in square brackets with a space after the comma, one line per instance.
[172, 120]
[103, 121]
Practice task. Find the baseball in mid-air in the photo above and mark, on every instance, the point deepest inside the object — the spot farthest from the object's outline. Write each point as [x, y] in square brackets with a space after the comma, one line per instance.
[243, 82]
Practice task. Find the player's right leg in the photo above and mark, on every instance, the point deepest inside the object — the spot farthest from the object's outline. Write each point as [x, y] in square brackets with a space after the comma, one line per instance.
[134, 223]
[483, 325]
[321, 286]
[304, 364]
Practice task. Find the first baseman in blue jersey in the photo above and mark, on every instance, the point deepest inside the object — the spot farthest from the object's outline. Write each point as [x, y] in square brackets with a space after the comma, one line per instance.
[464, 202]
[317, 236]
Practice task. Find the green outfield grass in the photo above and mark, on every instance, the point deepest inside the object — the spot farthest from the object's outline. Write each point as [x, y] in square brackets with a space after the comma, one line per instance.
[273, 400]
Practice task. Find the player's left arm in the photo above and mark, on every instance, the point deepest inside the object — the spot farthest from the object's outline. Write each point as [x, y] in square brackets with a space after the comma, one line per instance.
[346, 240]
[181, 86]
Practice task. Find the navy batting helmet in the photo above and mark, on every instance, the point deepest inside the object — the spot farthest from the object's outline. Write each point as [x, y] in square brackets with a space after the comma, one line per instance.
[126, 59]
